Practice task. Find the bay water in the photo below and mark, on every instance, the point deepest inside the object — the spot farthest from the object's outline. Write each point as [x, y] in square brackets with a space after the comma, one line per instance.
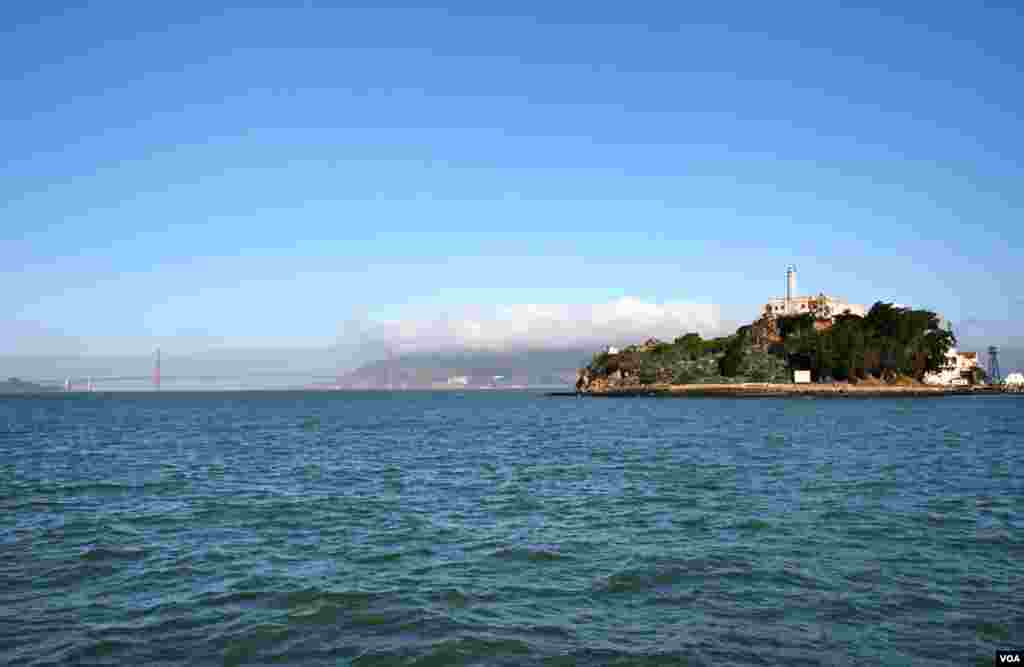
[509, 528]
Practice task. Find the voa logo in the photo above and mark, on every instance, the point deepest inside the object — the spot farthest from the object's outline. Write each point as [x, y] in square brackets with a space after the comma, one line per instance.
[1009, 658]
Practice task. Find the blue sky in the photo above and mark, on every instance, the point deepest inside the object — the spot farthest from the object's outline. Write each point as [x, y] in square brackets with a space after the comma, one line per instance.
[259, 175]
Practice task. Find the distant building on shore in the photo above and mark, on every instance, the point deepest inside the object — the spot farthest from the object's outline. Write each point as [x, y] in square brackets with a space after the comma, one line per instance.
[958, 369]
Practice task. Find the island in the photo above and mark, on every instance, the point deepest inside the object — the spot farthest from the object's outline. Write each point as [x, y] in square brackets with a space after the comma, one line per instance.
[802, 349]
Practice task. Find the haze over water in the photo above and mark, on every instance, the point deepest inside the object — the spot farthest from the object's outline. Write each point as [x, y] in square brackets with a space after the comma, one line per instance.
[508, 528]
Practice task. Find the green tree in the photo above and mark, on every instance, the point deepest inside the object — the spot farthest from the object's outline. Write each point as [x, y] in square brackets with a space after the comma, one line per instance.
[691, 346]
[824, 357]
[685, 375]
[729, 364]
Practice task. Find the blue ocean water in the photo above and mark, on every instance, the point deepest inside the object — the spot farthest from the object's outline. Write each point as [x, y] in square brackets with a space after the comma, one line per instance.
[509, 528]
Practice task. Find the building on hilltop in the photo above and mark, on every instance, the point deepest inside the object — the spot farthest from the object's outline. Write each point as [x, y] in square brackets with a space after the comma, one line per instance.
[821, 306]
[824, 308]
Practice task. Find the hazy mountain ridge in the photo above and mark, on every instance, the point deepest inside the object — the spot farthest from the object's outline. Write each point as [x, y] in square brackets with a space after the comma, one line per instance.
[18, 386]
[479, 368]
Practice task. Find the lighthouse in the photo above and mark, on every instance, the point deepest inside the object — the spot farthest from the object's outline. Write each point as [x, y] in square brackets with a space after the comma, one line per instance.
[790, 288]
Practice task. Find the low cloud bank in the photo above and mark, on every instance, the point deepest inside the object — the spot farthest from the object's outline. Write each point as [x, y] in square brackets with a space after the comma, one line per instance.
[543, 326]
[36, 353]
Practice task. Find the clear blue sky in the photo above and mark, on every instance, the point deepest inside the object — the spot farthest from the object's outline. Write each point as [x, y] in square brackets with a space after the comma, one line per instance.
[261, 173]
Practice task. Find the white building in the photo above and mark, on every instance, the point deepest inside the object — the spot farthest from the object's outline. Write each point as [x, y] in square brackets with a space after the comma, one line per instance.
[958, 364]
[821, 306]
[458, 381]
[1014, 380]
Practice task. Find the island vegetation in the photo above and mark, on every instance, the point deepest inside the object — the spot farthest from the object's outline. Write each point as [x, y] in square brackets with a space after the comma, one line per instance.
[890, 345]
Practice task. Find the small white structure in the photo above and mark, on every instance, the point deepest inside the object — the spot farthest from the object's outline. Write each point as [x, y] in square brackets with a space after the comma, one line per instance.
[611, 350]
[458, 381]
[1014, 380]
[957, 365]
[801, 377]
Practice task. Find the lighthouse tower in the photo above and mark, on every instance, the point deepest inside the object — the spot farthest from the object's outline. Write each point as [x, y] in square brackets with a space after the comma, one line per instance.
[790, 288]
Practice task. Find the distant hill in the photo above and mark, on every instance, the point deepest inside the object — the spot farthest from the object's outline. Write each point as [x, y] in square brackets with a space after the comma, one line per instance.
[523, 368]
[17, 386]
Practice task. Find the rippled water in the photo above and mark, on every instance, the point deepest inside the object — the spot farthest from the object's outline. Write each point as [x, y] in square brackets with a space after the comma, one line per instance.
[509, 528]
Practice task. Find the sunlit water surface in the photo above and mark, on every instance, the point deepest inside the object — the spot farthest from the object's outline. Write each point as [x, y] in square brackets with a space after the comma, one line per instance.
[509, 528]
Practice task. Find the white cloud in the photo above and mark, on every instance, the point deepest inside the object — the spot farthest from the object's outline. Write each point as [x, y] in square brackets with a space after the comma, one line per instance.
[545, 326]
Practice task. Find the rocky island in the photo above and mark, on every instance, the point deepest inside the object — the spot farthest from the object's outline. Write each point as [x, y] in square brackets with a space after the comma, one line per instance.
[889, 350]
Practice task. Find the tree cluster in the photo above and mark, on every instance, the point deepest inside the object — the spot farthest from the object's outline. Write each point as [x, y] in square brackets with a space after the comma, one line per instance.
[889, 341]
[691, 359]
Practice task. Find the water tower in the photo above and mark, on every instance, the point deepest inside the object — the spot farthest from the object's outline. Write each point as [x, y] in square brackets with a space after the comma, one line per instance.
[994, 375]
